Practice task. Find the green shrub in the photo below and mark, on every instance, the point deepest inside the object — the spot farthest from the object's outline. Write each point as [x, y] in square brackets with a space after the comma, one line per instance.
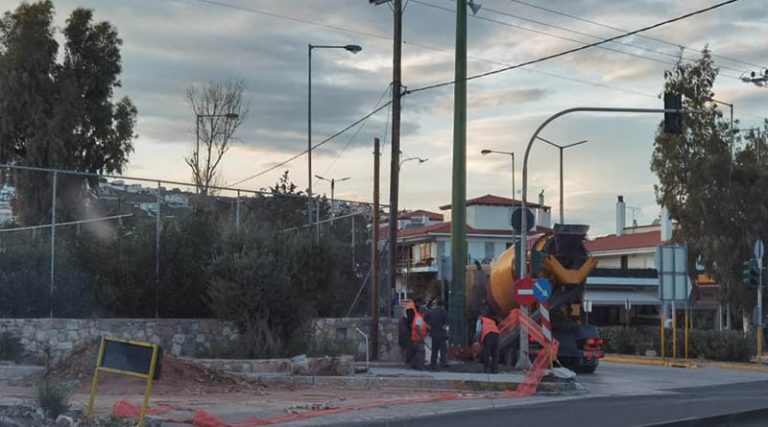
[712, 345]
[10, 347]
[318, 346]
[52, 398]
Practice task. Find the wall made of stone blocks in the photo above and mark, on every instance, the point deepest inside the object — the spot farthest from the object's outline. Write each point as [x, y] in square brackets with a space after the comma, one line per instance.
[180, 337]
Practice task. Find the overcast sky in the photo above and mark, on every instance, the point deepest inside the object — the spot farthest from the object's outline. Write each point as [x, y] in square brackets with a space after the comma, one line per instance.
[170, 44]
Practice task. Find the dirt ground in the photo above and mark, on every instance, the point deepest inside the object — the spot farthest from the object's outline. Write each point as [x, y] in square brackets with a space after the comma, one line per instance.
[187, 386]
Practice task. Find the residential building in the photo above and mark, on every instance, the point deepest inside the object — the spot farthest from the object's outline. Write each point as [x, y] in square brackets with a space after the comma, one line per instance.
[624, 288]
[424, 241]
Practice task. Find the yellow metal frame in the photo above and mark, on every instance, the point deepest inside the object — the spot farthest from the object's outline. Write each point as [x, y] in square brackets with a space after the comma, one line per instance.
[148, 377]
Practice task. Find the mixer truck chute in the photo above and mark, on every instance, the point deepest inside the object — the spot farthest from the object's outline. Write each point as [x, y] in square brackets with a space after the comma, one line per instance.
[561, 257]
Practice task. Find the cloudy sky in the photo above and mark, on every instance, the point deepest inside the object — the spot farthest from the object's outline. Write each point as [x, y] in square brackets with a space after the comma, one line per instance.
[170, 44]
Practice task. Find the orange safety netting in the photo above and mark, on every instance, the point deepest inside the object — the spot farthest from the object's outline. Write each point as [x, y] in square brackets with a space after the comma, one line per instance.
[126, 409]
[526, 388]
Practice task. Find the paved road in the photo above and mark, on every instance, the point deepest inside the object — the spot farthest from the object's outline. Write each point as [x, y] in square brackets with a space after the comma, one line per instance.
[619, 395]
[613, 411]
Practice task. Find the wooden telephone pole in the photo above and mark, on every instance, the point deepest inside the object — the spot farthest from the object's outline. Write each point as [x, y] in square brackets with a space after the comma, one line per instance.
[375, 255]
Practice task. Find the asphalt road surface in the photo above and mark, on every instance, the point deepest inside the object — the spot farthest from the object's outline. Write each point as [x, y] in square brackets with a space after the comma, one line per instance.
[627, 395]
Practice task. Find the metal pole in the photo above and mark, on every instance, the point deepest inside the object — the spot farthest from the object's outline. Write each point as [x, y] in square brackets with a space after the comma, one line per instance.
[760, 307]
[353, 243]
[317, 220]
[394, 176]
[197, 153]
[157, 250]
[375, 256]
[309, 135]
[562, 196]
[53, 239]
[333, 190]
[524, 205]
[237, 212]
[458, 324]
[513, 177]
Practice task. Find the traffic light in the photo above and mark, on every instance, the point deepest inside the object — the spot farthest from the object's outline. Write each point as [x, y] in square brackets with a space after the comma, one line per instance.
[750, 273]
[673, 122]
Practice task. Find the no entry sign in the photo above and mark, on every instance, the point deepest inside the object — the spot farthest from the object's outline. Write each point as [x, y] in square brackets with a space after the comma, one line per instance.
[523, 292]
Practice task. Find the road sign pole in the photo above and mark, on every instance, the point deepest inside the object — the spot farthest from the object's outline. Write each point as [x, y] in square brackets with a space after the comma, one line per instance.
[760, 308]
[674, 330]
[759, 251]
[661, 328]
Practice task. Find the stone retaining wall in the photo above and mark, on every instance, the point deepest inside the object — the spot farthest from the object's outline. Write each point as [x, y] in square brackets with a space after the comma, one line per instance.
[180, 337]
[339, 365]
[345, 329]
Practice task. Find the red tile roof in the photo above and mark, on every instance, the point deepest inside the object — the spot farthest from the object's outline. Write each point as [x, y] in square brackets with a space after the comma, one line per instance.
[445, 228]
[649, 239]
[433, 216]
[491, 200]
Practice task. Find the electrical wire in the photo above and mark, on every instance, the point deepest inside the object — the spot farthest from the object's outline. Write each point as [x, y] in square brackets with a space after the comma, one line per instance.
[416, 44]
[357, 132]
[294, 19]
[519, 27]
[593, 36]
[314, 147]
[578, 49]
[647, 37]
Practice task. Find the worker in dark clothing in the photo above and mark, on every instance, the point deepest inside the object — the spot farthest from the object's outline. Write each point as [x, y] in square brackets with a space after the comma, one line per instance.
[488, 334]
[437, 320]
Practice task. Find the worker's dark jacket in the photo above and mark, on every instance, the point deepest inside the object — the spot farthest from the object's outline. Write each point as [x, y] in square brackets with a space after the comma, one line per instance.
[437, 319]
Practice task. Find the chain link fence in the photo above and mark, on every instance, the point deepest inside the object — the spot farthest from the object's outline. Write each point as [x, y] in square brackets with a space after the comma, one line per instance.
[76, 245]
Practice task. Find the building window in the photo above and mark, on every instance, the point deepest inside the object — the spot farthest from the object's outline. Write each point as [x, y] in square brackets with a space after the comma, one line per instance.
[426, 251]
[624, 262]
[489, 250]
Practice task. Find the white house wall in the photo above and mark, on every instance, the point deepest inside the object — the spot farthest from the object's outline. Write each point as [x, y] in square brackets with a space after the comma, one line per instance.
[489, 217]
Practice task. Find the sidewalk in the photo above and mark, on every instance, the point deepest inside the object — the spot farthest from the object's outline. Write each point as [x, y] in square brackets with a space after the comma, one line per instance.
[684, 363]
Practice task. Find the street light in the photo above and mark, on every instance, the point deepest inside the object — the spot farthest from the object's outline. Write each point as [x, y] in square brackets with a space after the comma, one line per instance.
[509, 153]
[709, 98]
[421, 160]
[333, 182]
[756, 79]
[229, 116]
[562, 148]
[355, 49]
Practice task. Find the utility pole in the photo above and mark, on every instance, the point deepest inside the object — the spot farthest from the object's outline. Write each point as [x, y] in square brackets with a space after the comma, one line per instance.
[458, 324]
[375, 255]
[394, 175]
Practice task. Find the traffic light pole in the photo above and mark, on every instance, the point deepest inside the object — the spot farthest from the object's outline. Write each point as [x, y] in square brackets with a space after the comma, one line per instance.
[759, 307]
[523, 354]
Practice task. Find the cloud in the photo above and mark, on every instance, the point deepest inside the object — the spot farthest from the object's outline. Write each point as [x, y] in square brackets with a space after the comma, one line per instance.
[489, 100]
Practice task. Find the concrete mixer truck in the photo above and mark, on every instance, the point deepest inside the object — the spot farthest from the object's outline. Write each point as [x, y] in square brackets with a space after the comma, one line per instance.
[560, 257]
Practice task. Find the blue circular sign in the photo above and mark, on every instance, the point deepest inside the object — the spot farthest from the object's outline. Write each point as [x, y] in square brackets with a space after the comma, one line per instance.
[542, 289]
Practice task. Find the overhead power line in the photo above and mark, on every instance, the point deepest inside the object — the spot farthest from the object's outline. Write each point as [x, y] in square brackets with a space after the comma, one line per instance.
[319, 144]
[519, 27]
[647, 37]
[357, 132]
[578, 49]
[594, 36]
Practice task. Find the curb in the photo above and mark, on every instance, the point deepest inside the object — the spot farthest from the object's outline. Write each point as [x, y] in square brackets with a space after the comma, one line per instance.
[722, 419]
[650, 361]
[682, 363]
[740, 366]
[409, 382]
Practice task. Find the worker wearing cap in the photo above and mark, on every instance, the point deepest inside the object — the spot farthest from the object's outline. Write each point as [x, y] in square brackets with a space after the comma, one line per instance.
[418, 333]
[488, 334]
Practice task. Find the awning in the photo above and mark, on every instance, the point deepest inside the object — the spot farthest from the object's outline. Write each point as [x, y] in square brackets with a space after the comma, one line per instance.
[618, 297]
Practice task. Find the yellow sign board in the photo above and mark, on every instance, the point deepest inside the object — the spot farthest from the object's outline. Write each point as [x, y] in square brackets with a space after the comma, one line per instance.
[132, 358]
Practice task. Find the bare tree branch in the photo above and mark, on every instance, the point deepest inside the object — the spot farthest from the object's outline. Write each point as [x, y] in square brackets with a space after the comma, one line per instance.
[220, 108]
